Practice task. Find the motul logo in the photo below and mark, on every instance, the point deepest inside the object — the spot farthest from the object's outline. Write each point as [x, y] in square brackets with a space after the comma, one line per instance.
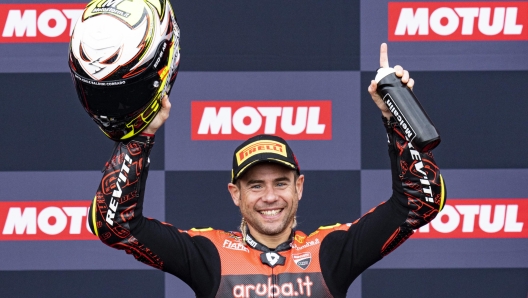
[38, 22]
[237, 120]
[485, 218]
[51, 220]
[458, 21]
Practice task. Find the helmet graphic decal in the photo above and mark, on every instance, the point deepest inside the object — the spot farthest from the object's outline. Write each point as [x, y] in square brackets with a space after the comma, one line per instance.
[124, 56]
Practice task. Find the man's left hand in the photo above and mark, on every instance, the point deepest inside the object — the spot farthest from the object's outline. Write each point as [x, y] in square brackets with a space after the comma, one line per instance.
[400, 72]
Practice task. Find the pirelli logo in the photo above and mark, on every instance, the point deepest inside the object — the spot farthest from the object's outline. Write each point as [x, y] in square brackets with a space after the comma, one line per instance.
[258, 147]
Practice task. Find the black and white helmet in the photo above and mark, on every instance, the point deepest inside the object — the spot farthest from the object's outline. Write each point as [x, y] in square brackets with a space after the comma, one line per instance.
[124, 57]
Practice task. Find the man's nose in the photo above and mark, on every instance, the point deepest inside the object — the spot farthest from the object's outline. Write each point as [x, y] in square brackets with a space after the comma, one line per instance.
[270, 195]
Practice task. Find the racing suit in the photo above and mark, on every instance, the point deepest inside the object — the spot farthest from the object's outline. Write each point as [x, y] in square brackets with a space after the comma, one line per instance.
[217, 263]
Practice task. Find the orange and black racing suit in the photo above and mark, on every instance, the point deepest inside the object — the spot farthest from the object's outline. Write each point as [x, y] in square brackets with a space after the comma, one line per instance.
[216, 263]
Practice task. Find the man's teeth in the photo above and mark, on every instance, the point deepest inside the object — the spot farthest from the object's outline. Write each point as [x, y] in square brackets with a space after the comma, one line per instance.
[271, 212]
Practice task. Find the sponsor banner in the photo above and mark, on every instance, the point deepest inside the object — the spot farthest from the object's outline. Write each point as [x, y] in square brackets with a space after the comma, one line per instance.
[458, 50]
[55, 206]
[48, 220]
[237, 120]
[467, 252]
[38, 23]
[479, 218]
[318, 113]
[457, 21]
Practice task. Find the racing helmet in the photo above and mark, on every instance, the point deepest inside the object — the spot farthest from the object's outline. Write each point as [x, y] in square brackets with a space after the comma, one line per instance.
[124, 57]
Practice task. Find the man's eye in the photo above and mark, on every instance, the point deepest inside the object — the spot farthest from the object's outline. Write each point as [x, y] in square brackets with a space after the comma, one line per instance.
[256, 186]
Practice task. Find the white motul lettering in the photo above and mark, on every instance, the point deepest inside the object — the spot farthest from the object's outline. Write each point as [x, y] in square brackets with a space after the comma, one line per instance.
[510, 26]
[453, 219]
[254, 123]
[44, 19]
[468, 213]
[313, 125]
[511, 224]
[485, 17]
[504, 218]
[287, 124]
[271, 114]
[485, 222]
[410, 23]
[468, 15]
[446, 21]
[249, 120]
[76, 215]
[214, 122]
[21, 24]
[19, 221]
[60, 220]
[436, 21]
[73, 15]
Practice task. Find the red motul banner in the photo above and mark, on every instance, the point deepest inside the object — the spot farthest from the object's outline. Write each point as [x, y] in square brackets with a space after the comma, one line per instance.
[47, 220]
[237, 120]
[27, 23]
[458, 21]
[485, 218]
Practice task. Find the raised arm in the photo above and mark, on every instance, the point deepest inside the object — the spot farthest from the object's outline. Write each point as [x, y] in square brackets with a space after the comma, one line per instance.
[116, 217]
[418, 194]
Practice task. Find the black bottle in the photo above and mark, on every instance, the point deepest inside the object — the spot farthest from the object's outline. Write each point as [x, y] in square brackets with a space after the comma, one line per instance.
[407, 110]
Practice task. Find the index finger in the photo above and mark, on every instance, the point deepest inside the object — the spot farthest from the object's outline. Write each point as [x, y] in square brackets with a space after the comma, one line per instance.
[384, 56]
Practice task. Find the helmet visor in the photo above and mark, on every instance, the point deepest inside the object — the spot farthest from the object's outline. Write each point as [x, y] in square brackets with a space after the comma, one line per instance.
[116, 98]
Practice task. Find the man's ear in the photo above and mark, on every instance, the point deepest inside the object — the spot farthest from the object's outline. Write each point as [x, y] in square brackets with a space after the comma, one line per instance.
[299, 185]
[235, 193]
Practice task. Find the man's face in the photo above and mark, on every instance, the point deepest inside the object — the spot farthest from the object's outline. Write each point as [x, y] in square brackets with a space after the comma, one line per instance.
[268, 196]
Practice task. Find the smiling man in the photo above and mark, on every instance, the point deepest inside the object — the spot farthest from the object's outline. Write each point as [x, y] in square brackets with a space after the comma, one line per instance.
[268, 257]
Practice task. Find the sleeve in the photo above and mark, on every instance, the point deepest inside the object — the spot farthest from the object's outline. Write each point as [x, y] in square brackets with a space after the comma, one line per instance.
[116, 217]
[418, 195]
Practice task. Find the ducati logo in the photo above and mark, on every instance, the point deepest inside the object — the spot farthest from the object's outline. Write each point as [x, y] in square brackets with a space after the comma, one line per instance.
[302, 260]
[271, 259]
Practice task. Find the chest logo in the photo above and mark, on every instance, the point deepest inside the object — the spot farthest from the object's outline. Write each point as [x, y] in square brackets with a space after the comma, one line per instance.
[302, 260]
[271, 259]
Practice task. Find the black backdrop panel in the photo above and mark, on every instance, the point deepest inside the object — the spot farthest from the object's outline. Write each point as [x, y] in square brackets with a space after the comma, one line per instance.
[80, 284]
[44, 127]
[268, 35]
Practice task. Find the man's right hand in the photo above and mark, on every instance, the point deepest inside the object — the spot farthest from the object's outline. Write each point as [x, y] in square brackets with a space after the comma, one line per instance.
[161, 117]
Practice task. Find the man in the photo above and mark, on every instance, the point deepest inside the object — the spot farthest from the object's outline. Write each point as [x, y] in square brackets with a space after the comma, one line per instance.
[269, 258]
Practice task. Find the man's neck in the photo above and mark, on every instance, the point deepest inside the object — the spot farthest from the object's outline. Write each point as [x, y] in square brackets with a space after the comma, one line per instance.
[271, 241]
